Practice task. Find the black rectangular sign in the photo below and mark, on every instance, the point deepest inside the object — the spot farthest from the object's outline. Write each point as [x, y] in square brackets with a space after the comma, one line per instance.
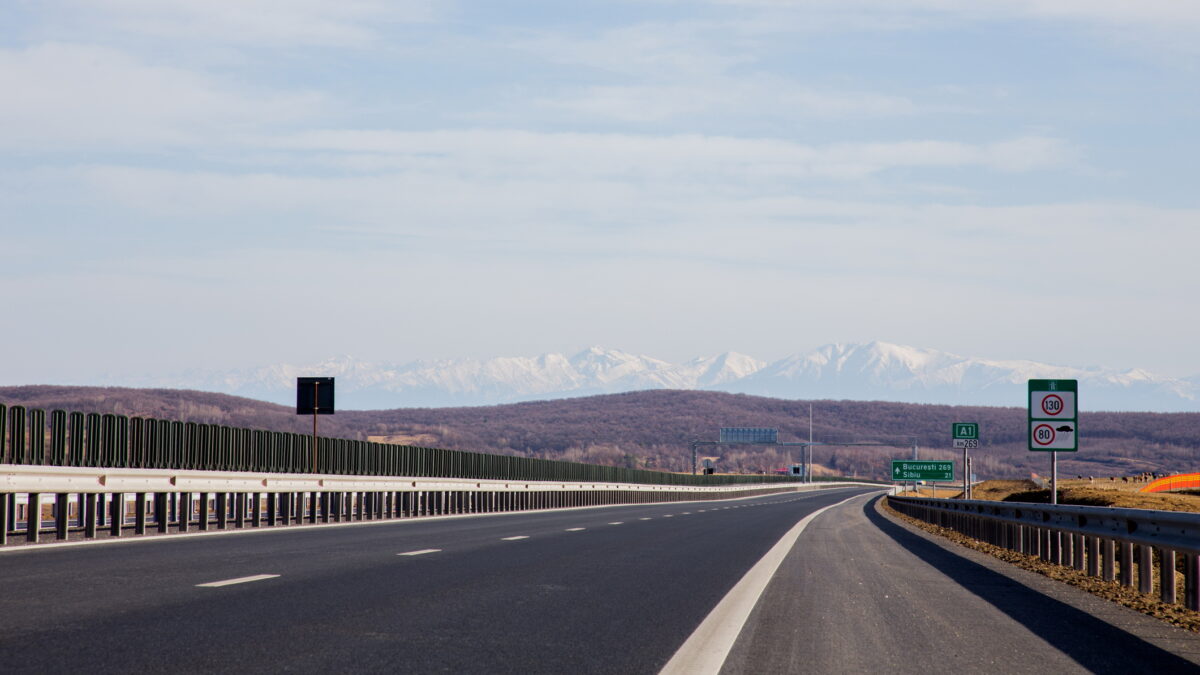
[305, 387]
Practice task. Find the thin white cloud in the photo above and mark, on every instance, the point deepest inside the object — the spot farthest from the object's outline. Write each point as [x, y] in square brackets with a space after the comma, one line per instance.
[743, 97]
[254, 23]
[461, 185]
[73, 97]
[1123, 12]
[525, 153]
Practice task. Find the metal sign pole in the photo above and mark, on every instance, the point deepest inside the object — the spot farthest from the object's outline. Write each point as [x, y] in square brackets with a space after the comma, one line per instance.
[1053, 477]
[808, 448]
[314, 442]
[966, 474]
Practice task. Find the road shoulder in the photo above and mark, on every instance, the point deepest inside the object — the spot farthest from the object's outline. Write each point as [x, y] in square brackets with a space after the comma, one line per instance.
[862, 591]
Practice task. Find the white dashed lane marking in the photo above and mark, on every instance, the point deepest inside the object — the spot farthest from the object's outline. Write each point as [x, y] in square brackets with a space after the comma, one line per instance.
[422, 551]
[619, 522]
[520, 536]
[576, 529]
[239, 580]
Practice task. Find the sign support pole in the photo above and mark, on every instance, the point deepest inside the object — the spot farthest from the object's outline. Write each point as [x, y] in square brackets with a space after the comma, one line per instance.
[314, 443]
[1053, 477]
[808, 448]
[966, 475]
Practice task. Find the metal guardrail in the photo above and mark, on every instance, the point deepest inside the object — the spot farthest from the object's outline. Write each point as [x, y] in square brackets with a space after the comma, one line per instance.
[121, 501]
[1106, 542]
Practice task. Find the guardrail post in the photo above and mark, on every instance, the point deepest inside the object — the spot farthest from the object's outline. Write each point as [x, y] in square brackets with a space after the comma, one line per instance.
[33, 517]
[1145, 569]
[62, 515]
[139, 521]
[239, 510]
[116, 514]
[185, 511]
[1080, 544]
[89, 516]
[1110, 552]
[1126, 564]
[1093, 556]
[325, 507]
[5, 505]
[222, 510]
[1190, 585]
[256, 509]
[204, 511]
[162, 515]
[1166, 575]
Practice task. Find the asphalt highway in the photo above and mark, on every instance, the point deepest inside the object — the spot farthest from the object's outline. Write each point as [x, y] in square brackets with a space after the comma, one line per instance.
[607, 590]
[604, 590]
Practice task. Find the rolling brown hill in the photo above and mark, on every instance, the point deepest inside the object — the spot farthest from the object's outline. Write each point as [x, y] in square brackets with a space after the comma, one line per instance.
[653, 429]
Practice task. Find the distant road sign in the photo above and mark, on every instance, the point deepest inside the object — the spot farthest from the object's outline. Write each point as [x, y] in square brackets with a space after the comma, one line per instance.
[966, 443]
[922, 470]
[314, 396]
[966, 430]
[750, 435]
[1053, 415]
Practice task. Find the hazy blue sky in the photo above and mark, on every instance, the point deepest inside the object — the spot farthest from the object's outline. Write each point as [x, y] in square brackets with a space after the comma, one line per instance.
[221, 183]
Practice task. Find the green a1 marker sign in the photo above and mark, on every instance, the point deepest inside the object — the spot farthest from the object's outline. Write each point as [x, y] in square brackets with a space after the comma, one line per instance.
[966, 435]
[1053, 415]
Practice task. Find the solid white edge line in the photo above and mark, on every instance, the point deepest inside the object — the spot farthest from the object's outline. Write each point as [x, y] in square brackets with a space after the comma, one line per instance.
[708, 646]
[239, 580]
[422, 551]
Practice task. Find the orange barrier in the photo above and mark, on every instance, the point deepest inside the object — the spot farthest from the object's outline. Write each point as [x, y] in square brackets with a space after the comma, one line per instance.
[1179, 481]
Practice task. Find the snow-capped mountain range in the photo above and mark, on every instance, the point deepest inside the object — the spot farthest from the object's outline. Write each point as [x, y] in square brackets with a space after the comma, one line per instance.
[872, 371]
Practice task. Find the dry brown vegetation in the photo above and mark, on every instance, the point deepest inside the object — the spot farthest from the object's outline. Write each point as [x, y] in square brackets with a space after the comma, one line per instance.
[1118, 494]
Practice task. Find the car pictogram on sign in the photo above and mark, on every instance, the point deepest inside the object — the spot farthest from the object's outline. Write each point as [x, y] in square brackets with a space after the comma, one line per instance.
[1065, 428]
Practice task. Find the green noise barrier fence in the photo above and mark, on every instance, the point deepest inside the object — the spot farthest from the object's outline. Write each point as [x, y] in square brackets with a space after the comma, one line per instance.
[118, 441]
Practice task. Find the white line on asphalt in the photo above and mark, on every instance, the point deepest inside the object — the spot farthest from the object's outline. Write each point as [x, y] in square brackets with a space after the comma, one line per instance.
[702, 510]
[576, 529]
[645, 519]
[239, 580]
[707, 648]
[422, 551]
[619, 522]
[669, 515]
[521, 536]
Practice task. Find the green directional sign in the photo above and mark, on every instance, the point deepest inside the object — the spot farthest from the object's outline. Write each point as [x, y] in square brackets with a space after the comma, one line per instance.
[931, 470]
